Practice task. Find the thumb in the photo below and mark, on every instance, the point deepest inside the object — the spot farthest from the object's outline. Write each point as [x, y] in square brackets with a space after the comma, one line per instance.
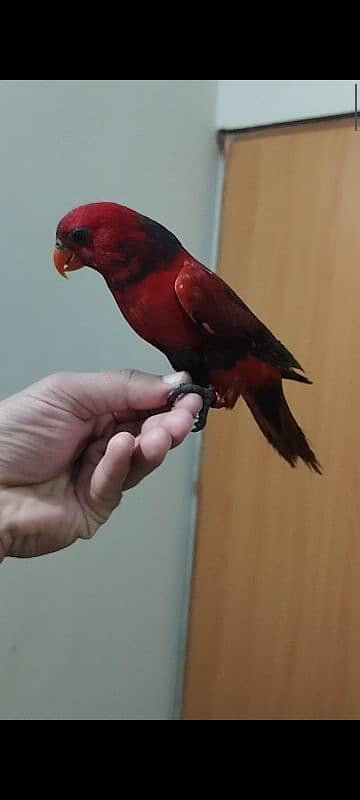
[91, 394]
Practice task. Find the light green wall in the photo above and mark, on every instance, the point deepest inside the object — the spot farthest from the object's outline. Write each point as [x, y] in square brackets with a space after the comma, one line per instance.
[95, 632]
[247, 103]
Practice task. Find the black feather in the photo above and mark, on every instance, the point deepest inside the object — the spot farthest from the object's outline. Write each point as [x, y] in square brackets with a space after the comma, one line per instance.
[271, 412]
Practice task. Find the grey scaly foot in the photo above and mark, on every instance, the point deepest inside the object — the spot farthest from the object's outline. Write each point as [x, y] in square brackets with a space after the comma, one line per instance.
[209, 398]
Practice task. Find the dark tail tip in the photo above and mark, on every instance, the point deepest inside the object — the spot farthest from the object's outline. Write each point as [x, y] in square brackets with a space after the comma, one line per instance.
[291, 375]
[271, 412]
[310, 460]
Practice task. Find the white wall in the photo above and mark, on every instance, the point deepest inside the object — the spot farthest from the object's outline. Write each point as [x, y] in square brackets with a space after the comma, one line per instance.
[95, 632]
[250, 103]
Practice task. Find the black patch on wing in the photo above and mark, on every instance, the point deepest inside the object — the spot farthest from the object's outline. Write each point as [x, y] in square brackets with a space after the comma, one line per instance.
[265, 347]
[218, 354]
[200, 362]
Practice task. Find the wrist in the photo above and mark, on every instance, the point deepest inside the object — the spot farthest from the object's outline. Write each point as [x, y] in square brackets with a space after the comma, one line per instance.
[6, 526]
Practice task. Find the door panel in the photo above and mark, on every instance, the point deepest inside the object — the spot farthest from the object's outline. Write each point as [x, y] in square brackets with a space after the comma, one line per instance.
[275, 619]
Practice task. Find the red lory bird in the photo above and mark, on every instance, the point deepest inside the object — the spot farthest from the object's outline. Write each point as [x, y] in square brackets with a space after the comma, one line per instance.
[191, 315]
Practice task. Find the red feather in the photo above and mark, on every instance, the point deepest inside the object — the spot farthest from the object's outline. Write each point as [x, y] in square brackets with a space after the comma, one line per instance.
[190, 314]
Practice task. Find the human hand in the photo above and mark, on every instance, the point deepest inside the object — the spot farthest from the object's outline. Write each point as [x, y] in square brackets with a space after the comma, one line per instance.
[71, 444]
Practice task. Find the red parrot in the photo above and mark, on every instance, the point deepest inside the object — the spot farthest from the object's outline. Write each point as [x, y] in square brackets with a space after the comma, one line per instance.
[191, 315]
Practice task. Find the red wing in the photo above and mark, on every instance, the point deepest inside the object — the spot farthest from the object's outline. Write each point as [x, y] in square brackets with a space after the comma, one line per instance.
[212, 305]
[220, 313]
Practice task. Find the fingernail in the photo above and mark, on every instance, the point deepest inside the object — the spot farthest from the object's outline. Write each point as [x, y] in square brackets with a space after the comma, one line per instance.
[175, 379]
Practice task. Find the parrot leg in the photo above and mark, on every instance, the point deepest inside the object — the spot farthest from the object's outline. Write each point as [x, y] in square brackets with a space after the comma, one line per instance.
[209, 397]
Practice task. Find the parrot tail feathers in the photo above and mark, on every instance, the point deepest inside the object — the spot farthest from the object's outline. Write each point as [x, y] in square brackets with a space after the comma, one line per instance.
[291, 375]
[274, 418]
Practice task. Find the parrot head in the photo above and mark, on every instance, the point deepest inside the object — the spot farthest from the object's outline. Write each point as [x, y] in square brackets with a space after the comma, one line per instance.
[111, 239]
[93, 235]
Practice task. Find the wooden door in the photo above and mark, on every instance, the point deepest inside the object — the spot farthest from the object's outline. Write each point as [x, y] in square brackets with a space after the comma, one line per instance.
[275, 619]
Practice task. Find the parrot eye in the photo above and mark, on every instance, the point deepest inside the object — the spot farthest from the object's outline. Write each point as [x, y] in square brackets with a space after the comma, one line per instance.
[79, 235]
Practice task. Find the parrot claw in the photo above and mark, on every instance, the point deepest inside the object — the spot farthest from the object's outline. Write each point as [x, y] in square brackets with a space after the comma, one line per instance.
[209, 398]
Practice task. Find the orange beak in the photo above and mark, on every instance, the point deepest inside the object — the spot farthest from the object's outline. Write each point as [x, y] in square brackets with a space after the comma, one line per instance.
[66, 261]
